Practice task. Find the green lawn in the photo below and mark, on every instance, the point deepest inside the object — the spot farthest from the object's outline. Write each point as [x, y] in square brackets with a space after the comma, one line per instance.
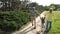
[55, 24]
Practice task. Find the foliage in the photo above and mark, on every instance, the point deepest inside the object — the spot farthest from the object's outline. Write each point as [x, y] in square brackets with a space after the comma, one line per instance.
[14, 20]
[10, 21]
[53, 7]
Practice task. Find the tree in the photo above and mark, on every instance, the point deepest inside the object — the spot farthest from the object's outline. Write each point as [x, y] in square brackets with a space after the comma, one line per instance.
[46, 8]
[51, 7]
[41, 7]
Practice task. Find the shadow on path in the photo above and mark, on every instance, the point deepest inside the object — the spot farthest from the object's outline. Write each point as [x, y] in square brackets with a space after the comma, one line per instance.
[26, 30]
[46, 32]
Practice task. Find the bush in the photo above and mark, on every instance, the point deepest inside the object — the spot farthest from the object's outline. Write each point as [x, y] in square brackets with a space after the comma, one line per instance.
[13, 20]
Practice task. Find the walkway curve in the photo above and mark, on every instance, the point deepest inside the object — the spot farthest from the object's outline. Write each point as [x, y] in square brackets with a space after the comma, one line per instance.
[29, 29]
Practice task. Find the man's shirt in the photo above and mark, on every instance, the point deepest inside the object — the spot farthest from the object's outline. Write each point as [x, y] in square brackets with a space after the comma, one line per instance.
[49, 16]
[33, 12]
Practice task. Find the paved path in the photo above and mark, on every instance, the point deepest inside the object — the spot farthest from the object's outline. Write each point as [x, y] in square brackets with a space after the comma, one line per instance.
[29, 28]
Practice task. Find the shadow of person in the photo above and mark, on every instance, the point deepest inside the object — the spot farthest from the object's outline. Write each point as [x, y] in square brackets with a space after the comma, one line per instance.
[26, 30]
[47, 31]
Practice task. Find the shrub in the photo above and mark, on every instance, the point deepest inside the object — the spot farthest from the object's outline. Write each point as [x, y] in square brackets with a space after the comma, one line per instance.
[13, 20]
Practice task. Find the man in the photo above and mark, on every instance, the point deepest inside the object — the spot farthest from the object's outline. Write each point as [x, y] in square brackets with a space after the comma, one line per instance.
[49, 19]
[33, 17]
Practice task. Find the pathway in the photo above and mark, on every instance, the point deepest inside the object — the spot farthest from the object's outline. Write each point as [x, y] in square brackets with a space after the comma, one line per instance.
[29, 28]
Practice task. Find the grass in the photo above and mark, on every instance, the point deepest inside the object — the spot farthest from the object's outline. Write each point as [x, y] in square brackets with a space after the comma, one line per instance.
[55, 24]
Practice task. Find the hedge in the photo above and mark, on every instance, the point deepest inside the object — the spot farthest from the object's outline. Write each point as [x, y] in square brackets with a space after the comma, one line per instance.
[13, 20]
